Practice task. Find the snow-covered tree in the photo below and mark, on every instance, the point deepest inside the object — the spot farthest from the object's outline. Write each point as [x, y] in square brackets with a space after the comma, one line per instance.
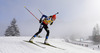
[13, 29]
[96, 34]
[96, 30]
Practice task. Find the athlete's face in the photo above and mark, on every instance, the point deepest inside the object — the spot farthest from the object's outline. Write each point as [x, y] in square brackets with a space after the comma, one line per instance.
[53, 19]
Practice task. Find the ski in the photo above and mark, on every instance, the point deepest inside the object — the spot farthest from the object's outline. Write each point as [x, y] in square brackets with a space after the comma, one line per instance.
[34, 44]
[51, 45]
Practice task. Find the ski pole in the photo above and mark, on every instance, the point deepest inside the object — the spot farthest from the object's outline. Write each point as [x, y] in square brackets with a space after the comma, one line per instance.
[56, 13]
[31, 13]
[40, 12]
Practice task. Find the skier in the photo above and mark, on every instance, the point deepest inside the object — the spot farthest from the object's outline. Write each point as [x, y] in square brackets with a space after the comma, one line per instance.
[44, 24]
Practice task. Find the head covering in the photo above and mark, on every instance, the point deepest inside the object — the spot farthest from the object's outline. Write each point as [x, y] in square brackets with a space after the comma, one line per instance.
[54, 17]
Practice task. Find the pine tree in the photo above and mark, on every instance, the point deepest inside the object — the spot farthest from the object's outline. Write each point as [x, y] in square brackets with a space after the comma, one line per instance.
[13, 29]
[96, 34]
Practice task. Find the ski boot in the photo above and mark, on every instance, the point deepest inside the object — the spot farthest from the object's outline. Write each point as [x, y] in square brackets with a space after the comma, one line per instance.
[39, 36]
[31, 40]
[46, 43]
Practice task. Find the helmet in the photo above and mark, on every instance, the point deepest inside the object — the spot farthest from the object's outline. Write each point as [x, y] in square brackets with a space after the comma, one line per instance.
[54, 17]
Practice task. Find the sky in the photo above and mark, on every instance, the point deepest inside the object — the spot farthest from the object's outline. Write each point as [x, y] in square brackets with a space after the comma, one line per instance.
[76, 17]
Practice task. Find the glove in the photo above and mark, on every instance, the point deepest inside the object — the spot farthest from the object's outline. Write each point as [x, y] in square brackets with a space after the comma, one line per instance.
[40, 21]
[51, 23]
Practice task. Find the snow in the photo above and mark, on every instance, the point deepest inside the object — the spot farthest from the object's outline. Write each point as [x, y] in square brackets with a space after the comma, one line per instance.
[17, 45]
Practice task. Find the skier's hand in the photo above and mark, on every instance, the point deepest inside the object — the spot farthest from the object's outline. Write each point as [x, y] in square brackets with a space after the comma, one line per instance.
[51, 23]
[40, 21]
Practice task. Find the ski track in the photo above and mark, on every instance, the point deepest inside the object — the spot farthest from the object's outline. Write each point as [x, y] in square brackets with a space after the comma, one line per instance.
[75, 48]
[17, 45]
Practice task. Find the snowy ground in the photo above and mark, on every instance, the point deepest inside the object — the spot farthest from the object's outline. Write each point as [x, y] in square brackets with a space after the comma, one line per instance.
[87, 43]
[17, 45]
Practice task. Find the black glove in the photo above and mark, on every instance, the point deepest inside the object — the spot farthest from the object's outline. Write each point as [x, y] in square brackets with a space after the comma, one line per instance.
[40, 21]
[51, 23]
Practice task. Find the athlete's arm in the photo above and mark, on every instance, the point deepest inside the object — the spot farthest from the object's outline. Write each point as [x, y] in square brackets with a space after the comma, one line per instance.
[43, 16]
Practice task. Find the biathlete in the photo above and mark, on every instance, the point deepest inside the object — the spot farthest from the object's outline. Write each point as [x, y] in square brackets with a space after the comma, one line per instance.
[44, 21]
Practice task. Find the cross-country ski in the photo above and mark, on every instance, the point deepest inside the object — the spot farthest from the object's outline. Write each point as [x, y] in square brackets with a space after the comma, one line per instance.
[34, 44]
[51, 45]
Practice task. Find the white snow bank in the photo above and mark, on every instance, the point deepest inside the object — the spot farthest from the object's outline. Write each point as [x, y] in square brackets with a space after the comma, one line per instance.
[17, 45]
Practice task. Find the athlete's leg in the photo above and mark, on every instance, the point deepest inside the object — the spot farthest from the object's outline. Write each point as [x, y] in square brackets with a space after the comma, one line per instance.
[36, 34]
[47, 35]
